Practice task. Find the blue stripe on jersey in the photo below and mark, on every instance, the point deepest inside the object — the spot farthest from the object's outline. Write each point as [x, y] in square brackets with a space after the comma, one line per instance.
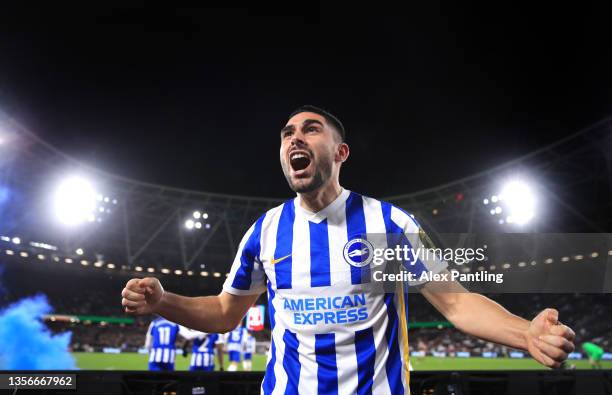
[269, 381]
[271, 308]
[366, 356]
[394, 360]
[250, 252]
[284, 245]
[291, 362]
[319, 255]
[327, 369]
[356, 227]
[393, 229]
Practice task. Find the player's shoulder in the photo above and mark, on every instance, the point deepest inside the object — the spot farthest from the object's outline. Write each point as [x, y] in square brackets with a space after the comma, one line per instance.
[264, 221]
[392, 212]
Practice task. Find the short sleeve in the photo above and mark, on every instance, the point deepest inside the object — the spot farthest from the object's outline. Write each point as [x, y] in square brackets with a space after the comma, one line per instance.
[247, 276]
[418, 241]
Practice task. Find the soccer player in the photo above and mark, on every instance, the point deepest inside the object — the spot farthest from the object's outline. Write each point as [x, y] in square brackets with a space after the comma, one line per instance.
[235, 343]
[331, 332]
[249, 350]
[205, 346]
[161, 343]
[594, 352]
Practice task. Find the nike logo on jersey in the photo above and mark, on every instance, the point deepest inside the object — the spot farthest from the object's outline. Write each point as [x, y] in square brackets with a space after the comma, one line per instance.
[275, 261]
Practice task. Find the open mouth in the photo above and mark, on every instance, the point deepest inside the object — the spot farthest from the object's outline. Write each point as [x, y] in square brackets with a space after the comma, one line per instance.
[299, 161]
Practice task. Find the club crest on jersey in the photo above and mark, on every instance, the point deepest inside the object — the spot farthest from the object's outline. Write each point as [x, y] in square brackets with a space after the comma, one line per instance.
[358, 252]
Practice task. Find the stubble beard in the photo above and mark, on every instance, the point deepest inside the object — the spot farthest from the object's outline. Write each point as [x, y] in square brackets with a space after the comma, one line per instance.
[322, 174]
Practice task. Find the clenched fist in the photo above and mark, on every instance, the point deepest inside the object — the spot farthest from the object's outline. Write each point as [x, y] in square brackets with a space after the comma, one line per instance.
[548, 341]
[142, 295]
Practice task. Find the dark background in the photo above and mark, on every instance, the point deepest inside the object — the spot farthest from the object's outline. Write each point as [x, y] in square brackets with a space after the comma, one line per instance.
[195, 98]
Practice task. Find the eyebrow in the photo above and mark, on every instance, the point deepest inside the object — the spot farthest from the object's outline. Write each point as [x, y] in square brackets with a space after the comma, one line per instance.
[307, 122]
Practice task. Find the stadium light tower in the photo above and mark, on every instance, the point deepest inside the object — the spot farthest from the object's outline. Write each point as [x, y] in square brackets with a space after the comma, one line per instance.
[75, 201]
[516, 203]
[520, 201]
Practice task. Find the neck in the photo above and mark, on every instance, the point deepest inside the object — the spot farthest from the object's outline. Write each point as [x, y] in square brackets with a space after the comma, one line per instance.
[317, 200]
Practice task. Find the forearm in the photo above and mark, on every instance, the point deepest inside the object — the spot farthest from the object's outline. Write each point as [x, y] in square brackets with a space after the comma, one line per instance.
[482, 317]
[203, 313]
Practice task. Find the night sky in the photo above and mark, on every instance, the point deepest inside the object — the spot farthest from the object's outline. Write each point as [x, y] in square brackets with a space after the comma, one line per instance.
[196, 98]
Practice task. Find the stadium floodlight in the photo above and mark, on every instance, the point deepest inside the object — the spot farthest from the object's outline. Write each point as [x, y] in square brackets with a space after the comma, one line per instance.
[197, 214]
[198, 225]
[10, 252]
[151, 270]
[519, 199]
[74, 201]
[79, 251]
[204, 274]
[189, 224]
[178, 272]
[16, 240]
[217, 274]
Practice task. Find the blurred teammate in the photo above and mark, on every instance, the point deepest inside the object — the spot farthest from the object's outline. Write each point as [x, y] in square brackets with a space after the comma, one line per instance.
[161, 343]
[330, 332]
[594, 352]
[205, 347]
[235, 344]
[249, 350]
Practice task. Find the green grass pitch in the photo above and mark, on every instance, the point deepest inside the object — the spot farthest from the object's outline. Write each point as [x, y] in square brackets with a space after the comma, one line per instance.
[134, 361]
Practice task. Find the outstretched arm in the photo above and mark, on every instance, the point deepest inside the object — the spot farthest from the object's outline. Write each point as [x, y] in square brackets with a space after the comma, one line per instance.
[213, 314]
[548, 341]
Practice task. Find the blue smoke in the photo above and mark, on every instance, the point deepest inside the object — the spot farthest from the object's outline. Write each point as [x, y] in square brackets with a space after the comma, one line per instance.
[26, 343]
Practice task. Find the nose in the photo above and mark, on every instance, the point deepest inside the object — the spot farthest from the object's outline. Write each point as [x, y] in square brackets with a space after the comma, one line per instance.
[297, 138]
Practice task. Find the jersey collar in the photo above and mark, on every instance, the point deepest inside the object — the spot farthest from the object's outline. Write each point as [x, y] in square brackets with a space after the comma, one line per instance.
[322, 214]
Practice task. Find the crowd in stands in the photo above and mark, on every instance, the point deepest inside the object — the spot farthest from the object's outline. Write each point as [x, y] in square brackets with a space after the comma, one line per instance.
[75, 290]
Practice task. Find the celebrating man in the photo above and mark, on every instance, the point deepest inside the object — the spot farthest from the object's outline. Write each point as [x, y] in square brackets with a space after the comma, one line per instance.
[331, 332]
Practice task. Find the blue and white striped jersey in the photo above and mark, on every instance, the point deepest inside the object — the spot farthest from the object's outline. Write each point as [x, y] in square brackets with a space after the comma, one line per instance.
[332, 333]
[203, 349]
[162, 337]
[236, 339]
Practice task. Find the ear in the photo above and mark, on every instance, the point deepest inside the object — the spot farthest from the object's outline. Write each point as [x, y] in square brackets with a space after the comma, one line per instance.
[342, 152]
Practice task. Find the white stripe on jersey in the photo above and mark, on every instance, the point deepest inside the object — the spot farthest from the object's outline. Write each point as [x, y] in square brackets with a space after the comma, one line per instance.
[308, 366]
[166, 357]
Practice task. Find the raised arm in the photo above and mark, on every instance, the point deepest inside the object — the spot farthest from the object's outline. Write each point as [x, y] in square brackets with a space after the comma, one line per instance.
[548, 341]
[213, 314]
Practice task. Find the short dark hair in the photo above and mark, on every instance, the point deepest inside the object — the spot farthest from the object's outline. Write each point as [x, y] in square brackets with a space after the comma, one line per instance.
[329, 118]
